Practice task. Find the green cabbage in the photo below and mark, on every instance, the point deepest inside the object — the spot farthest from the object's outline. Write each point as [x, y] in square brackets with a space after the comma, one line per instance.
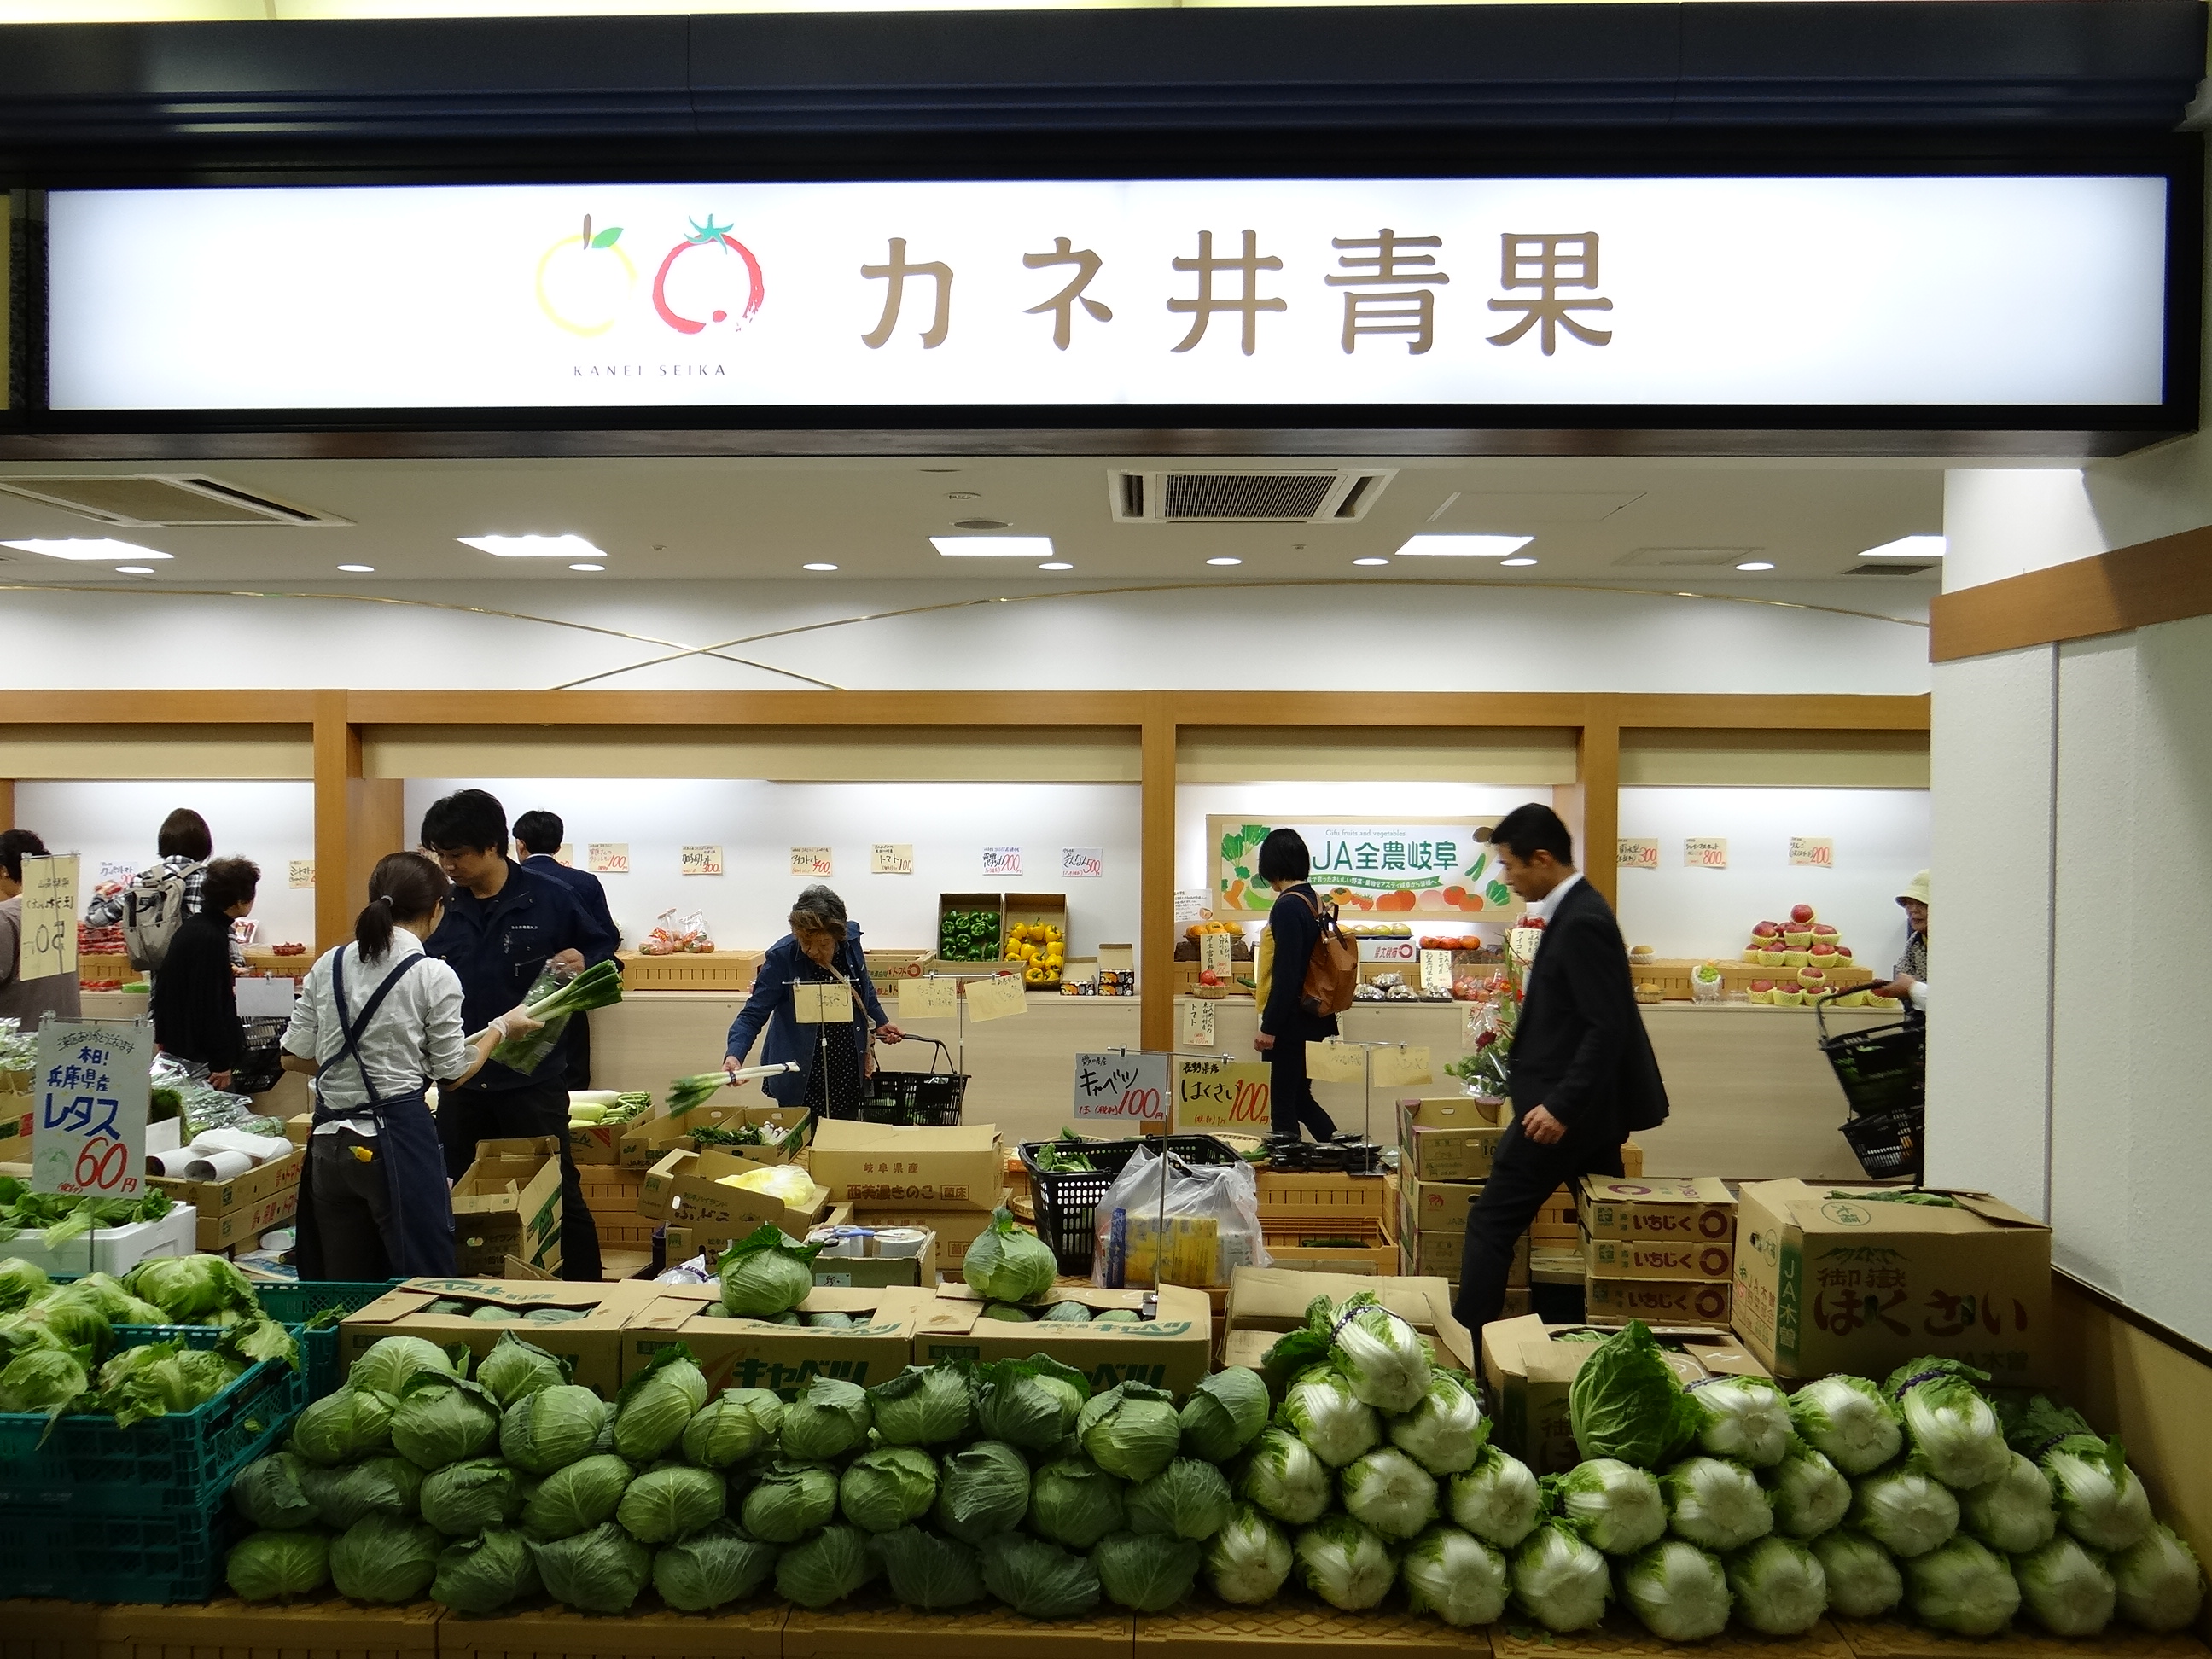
[2065, 1588]
[1716, 1504]
[1454, 1576]
[1037, 1579]
[1625, 1402]
[830, 1418]
[462, 1499]
[514, 1368]
[1225, 1414]
[657, 1404]
[2012, 1515]
[441, 1419]
[1009, 1263]
[1906, 1512]
[883, 1490]
[1147, 1571]
[576, 1497]
[1248, 1560]
[341, 1426]
[1283, 1479]
[1032, 1403]
[1850, 1421]
[766, 1273]
[555, 1426]
[711, 1568]
[22, 1282]
[926, 1571]
[828, 1567]
[1189, 1498]
[1953, 1430]
[276, 1566]
[1960, 1587]
[386, 1485]
[1744, 1417]
[1863, 1582]
[1810, 1494]
[1130, 1431]
[1446, 1431]
[1559, 1580]
[1618, 1508]
[1344, 1563]
[1680, 1591]
[270, 1492]
[2157, 1583]
[789, 1501]
[1497, 1500]
[1321, 1409]
[1780, 1588]
[485, 1574]
[924, 1406]
[385, 1366]
[666, 1502]
[598, 1570]
[983, 1489]
[730, 1427]
[1066, 1313]
[385, 1557]
[1389, 1492]
[1075, 1503]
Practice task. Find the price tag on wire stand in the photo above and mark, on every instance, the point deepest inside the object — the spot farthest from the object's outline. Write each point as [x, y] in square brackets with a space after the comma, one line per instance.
[928, 999]
[48, 924]
[1122, 1086]
[89, 1108]
[1399, 1066]
[816, 1003]
[999, 997]
[1223, 1094]
[1335, 1062]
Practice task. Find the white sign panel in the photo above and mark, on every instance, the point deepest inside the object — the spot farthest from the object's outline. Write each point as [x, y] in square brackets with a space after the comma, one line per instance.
[1995, 292]
[89, 1108]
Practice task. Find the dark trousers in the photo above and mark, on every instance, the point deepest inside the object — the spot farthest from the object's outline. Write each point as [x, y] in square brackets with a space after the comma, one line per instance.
[1290, 1093]
[577, 1044]
[539, 1107]
[1522, 1174]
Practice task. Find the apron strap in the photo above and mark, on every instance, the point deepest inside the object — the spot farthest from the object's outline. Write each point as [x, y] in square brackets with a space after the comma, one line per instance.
[350, 1031]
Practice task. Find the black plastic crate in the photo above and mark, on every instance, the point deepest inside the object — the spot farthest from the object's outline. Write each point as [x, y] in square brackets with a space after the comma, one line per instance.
[1883, 1069]
[1888, 1144]
[1067, 1200]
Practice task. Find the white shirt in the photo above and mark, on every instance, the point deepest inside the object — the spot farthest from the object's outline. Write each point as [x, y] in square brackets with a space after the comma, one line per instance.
[1549, 903]
[415, 1034]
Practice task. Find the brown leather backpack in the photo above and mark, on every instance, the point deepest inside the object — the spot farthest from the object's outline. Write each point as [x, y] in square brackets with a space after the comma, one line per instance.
[1333, 968]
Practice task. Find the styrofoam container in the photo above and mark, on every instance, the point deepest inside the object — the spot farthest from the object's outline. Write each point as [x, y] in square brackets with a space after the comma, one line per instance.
[113, 1250]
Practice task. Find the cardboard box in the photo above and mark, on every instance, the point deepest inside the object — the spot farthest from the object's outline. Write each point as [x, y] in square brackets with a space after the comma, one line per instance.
[593, 1342]
[297, 1129]
[918, 1169]
[1677, 1209]
[1527, 1372]
[1275, 1299]
[1353, 1245]
[1557, 1220]
[1447, 1112]
[1456, 1154]
[1862, 1284]
[1632, 1157]
[956, 1230]
[994, 904]
[1172, 1351]
[1550, 1263]
[1322, 1197]
[1050, 910]
[256, 1185]
[685, 1188]
[874, 1271]
[246, 1224]
[1439, 1254]
[1652, 1258]
[752, 1354]
[1656, 1301]
[507, 1203]
[1437, 1207]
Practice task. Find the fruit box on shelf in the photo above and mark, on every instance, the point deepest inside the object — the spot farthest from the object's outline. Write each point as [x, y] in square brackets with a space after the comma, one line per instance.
[690, 971]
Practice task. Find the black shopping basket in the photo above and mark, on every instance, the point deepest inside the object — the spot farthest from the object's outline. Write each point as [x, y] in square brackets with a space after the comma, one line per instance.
[930, 1098]
[1067, 1200]
[1889, 1144]
[1884, 1074]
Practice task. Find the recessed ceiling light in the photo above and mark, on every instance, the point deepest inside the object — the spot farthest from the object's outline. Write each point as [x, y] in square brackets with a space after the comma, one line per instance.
[992, 547]
[533, 547]
[979, 524]
[1756, 564]
[1509, 564]
[99, 550]
[962, 495]
[358, 569]
[1056, 564]
[588, 567]
[1225, 562]
[134, 569]
[1370, 561]
[1462, 547]
[817, 567]
[1905, 547]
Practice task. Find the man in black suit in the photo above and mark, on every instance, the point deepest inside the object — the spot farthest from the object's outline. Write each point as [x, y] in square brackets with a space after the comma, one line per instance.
[539, 834]
[1584, 1076]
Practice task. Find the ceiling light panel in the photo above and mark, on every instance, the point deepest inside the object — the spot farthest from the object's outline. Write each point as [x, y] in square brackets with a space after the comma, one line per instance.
[1463, 547]
[534, 547]
[992, 547]
[1921, 548]
[98, 552]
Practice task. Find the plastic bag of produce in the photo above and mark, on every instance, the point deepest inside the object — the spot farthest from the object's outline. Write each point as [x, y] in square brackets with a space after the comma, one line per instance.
[1208, 1226]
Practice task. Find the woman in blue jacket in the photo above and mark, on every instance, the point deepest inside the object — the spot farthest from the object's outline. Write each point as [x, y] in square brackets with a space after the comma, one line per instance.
[834, 1061]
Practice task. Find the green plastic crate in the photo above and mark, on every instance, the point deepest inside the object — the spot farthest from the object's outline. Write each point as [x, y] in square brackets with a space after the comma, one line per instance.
[142, 1559]
[298, 1301]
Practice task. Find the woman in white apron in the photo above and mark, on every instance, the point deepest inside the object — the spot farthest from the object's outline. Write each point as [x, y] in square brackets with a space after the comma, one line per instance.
[377, 1021]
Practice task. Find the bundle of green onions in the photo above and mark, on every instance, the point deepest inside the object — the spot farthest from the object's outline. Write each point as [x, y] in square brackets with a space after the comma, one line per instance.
[599, 986]
[689, 1091]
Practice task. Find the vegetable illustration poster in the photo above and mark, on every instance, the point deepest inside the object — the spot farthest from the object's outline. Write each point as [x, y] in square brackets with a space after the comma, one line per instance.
[1407, 866]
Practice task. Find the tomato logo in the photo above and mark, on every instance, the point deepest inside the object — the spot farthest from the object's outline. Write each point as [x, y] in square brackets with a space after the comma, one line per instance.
[577, 290]
[709, 234]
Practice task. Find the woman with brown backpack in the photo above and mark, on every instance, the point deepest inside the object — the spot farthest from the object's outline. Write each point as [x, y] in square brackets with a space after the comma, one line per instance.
[1297, 1003]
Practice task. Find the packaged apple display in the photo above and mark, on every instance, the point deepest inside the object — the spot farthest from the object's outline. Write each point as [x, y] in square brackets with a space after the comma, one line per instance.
[672, 935]
[1811, 955]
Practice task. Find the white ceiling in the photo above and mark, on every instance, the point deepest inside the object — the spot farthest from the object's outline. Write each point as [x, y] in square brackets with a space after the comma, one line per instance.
[1593, 520]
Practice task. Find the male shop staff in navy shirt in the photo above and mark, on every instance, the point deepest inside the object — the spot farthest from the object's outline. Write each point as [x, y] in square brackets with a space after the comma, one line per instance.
[503, 925]
[537, 838]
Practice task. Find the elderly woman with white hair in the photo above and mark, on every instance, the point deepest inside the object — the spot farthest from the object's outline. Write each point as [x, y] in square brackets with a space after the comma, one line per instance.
[834, 1060]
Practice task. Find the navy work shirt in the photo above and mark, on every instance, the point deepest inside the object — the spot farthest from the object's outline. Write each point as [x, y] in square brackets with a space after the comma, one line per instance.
[590, 893]
[499, 945]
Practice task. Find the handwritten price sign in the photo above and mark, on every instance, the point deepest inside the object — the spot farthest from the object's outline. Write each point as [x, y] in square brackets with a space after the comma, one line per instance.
[1194, 1023]
[997, 997]
[610, 858]
[1132, 1087]
[1436, 970]
[702, 861]
[1222, 1094]
[887, 857]
[1706, 853]
[1002, 860]
[301, 872]
[1638, 852]
[1817, 852]
[88, 1108]
[928, 999]
[810, 861]
[48, 945]
[1077, 863]
[1216, 954]
[1335, 1062]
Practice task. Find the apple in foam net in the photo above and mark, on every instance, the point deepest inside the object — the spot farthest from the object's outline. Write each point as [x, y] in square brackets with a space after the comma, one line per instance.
[1800, 913]
[1762, 985]
[1822, 930]
[1821, 953]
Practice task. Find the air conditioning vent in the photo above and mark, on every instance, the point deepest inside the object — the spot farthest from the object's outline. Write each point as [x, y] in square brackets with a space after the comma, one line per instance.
[147, 501]
[1889, 568]
[1331, 497]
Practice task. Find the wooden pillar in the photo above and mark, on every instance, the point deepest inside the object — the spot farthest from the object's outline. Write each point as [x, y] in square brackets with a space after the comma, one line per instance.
[7, 803]
[357, 821]
[1156, 889]
[1592, 806]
